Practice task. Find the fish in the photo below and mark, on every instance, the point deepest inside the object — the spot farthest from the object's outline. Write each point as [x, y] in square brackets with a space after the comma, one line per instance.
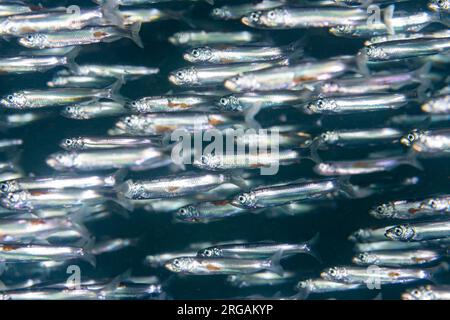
[216, 74]
[168, 103]
[201, 37]
[94, 109]
[410, 210]
[439, 5]
[296, 18]
[369, 235]
[125, 72]
[205, 212]
[174, 186]
[23, 253]
[113, 245]
[289, 77]
[10, 8]
[259, 250]
[240, 54]
[221, 266]
[381, 275]
[6, 144]
[283, 194]
[80, 82]
[105, 142]
[62, 182]
[389, 245]
[419, 231]
[133, 158]
[356, 104]
[398, 259]
[22, 65]
[35, 99]
[84, 36]
[431, 142]
[236, 11]
[321, 286]
[359, 167]
[437, 105]
[265, 279]
[428, 292]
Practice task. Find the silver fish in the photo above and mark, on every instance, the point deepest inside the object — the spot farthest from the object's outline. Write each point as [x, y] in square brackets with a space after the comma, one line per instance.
[265, 278]
[127, 72]
[402, 209]
[10, 8]
[436, 141]
[212, 266]
[278, 195]
[93, 110]
[205, 212]
[437, 244]
[10, 143]
[80, 82]
[369, 235]
[198, 38]
[94, 143]
[397, 258]
[80, 37]
[429, 292]
[168, 103]
[113, 245]
[216, 75]
[134, 158]
[419, 231]
[233, 12]
[20, 65]
[437, 105]
[319, 286]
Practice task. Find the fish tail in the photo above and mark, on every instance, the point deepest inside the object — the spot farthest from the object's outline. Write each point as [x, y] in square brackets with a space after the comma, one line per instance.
[313, 148]
[117, 177]
[411, 159]
[111, 13]
[434, 272]
[425, 82]
[302, 294]
[346, 187]
[123, 202]
[134, 34]
[361, 63]
[274, 263]
[237, 180]
[312, 245]
[112, 92]
[388, 14]
[250, 115]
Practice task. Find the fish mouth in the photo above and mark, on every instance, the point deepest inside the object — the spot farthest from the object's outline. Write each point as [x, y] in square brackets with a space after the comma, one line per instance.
[246, 21]
[324, 275]
[187, 57]
[407, 296]
[173, 40]
[4, 103]
[173, 79]
[169, 267]
[405, 142]
[230, 85]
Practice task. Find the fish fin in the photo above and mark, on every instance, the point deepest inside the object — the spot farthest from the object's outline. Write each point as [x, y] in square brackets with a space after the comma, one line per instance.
[112, 92]
[114, 283]
[346, 187]
[110, 11]
[123, 202]
[211, 2]
[313, 147]
[274, 263]
[361, 63]
[250, 117]
[411, 159]
[117, 177]
[237, 180]
[88, 256]
[78, 225]
[303, 293]
[134, 34]
[312, 248]
[435, 272]
[425, 83]
[388, 14]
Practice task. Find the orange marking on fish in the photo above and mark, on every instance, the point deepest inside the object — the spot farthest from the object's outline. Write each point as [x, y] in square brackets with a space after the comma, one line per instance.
[9, 248]
[413, 210]
[173, 188]
[393, 274]
[212, 267]
[178, 105]
[220, 202]
[215, 121]
[161, 129]
[37, 222]
[100, 34]
[420, 260]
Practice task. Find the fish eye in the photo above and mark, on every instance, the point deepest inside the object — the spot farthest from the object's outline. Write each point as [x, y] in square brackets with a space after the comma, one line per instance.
[415, 292]
[411, 137]
[29, 37]
[320, 104]
[398, 231]
[380, 209]
[433, 204]
[128, 120]
[223, 101]
[271, 15]
[254, 16]
[68, 142]
[134, 103]
[208, 253]
[69, 109]
[182, 211]
[179, 74]
[176, 263]
[4, 187]
[332, 272]
[241, 199]
[10, 97]
[195, 53]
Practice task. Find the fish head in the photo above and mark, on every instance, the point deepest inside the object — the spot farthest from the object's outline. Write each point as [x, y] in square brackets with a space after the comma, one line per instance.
[229, 103]
[342, 30]
[252, 19]
[212, 252]
[73, 112]
[374, 52]
[139, 106]
[130, 123]
[15, 200]
[9, 186]
[245, 200]
[35, 40]
[179, 38]
[305, 285]
[421, 293]
[184, 77]
[16, 100]
[4, 296]
[61, 160]
[199, 54]
[207, 161]
[329, 137]
[75, 143]
[439, 5]
[187, 213]
[383, 211]
[130, 190]
[435, 205]
[412, 137]
[222, 13]
[274, 18]
[400, 233]
[334, 274]
[180, 265]
[320, 105]
[365, 258]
